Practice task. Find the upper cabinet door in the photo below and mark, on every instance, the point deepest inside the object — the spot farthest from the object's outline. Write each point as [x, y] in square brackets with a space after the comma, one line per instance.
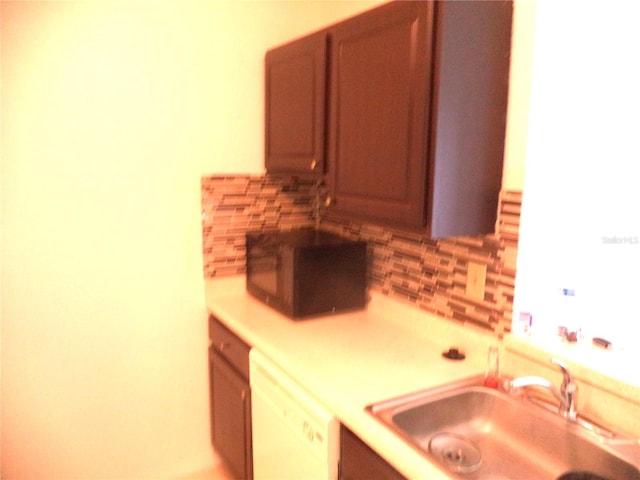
[380, 100]
[295, 106]
[418, 102]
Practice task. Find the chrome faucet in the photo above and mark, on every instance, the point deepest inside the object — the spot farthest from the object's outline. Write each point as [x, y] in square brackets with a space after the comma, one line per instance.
[567, 395]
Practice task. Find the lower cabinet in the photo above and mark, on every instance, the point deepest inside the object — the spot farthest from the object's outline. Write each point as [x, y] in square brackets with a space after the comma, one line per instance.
[359, 462]
[230, 397]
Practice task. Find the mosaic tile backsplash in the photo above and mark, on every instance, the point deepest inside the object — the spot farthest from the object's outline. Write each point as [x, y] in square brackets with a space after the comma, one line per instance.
[429, 273]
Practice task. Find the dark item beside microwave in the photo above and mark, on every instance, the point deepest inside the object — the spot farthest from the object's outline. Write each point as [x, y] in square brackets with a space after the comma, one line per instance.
[305, 273]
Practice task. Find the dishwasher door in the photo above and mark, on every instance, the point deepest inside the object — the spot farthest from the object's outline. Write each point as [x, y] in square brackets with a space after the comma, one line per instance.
[293, 436]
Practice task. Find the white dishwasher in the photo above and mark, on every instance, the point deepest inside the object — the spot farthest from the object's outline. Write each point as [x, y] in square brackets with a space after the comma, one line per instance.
[294, 437]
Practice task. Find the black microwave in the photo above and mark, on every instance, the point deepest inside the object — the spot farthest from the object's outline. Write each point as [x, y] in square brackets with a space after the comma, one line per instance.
[304, 273]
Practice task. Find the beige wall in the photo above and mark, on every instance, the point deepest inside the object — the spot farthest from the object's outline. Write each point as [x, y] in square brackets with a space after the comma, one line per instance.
[111, 112]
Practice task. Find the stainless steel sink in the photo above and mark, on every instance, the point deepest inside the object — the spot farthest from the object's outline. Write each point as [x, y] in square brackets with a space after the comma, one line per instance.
[476, 432]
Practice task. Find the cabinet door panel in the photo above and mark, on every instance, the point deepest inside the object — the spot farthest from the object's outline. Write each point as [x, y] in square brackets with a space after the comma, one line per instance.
[231, 417]
[374, 78]
[295, 97]
[359, 462]
[379, 103]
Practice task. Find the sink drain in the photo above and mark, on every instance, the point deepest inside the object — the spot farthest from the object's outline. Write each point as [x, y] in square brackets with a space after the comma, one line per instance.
[457, 453]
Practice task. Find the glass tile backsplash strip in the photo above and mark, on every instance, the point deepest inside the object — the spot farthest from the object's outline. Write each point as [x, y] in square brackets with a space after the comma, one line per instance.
[233, 205]
[431, 274]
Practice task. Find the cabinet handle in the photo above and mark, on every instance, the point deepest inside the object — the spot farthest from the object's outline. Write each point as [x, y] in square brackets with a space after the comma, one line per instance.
[314, 164]
[223, 346]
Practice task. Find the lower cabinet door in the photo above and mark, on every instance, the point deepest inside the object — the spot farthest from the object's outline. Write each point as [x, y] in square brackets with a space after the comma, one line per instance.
[231, 417]
[359, 462]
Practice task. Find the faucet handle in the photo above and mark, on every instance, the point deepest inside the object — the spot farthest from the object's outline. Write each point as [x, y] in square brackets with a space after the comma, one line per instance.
[568, 390]
[561, 364]
[567, 380]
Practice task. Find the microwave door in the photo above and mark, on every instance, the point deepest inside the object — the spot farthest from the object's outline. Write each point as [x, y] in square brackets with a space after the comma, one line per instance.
[263, 269]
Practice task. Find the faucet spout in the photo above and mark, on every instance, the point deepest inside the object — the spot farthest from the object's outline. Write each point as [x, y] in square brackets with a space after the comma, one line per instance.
[530, 381]
[566, 395]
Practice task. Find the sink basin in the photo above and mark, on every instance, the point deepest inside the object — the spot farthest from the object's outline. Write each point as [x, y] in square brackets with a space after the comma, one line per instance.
[476, 432]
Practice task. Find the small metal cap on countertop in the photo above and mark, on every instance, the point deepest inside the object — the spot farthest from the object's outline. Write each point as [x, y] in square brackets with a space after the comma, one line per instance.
[454, 353]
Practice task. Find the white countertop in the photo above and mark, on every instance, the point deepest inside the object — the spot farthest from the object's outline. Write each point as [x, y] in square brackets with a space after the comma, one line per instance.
[348, 361]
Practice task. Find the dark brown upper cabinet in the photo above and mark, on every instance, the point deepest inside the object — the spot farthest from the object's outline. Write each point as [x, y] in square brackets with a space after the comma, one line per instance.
[418, 100]
[295, 106]
[409, 100]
